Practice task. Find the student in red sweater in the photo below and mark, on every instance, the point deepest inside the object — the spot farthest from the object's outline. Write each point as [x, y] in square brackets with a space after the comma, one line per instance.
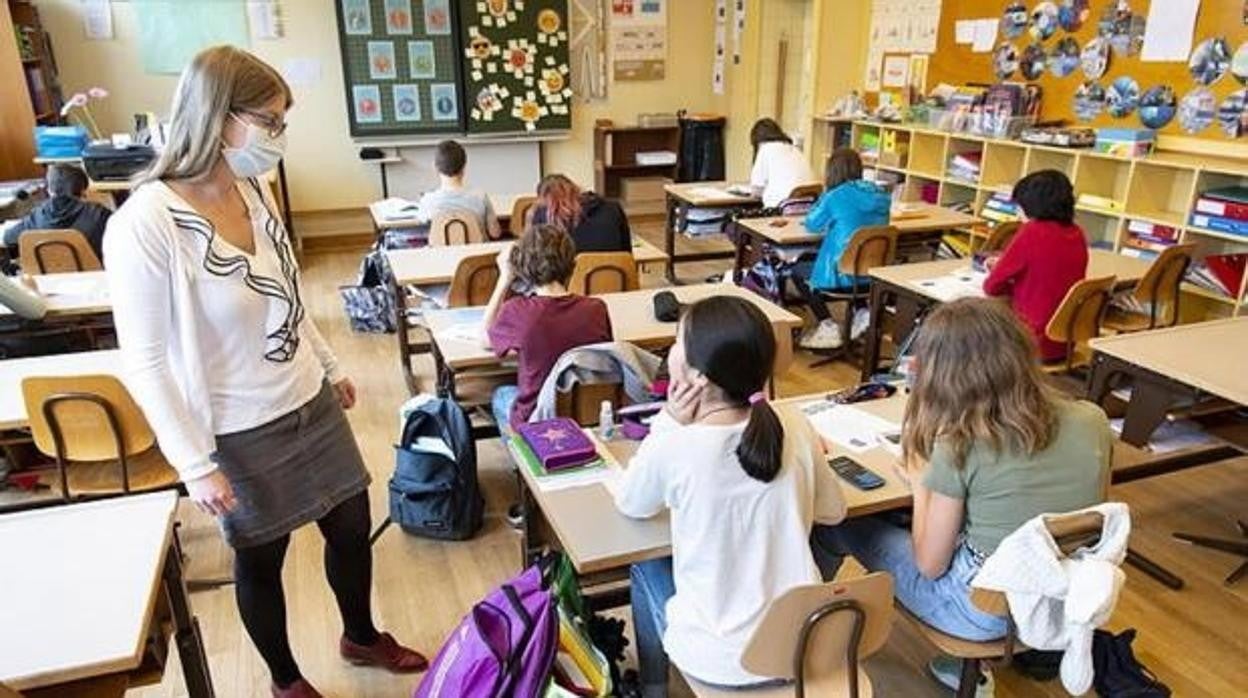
[1047, 256]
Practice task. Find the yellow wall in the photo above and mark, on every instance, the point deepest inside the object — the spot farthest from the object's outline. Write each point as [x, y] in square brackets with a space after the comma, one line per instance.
[323, 167]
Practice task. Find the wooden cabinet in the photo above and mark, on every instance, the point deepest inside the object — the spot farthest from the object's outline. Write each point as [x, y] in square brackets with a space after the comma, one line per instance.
[30, 93]
[615, 155]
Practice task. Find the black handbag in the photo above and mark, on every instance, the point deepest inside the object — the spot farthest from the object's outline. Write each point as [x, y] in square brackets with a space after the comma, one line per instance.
[1118, 673]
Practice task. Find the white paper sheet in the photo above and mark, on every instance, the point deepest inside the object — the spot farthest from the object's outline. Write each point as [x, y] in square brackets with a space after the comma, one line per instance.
[964, 283]
[848, 426]
[97, 19]
[964, 31]
[70, 286]
[1172, 436]
[462, 332]
[396, 209]
[1168, 34]
[985, 35]
[302, 72]
[264, 19]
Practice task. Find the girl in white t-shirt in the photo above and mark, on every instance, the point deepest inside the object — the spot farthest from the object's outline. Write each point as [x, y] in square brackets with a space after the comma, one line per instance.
[744, 484]
[779, 166]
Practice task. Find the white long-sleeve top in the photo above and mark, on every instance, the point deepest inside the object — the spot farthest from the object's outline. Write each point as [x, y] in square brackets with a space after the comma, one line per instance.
[737, 543]
[213, 340]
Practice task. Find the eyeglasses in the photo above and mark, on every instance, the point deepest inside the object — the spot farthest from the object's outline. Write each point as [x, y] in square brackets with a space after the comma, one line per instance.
[271, 124]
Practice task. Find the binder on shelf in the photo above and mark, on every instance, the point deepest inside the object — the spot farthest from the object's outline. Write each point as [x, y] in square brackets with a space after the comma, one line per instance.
[1220, 224]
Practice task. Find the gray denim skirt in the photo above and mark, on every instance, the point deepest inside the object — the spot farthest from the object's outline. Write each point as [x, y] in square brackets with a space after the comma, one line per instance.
[289, 472]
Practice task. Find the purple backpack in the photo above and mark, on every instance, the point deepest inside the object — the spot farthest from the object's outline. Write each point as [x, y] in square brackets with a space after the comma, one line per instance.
[504, 648]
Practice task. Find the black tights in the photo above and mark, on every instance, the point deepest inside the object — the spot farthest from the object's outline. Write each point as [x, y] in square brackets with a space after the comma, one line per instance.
[348, 565]
[817, 307]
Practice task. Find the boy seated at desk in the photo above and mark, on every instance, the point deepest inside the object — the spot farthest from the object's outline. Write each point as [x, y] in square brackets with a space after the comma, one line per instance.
[451, 196]
[65, 209]
[538, 328]
[1047, 256]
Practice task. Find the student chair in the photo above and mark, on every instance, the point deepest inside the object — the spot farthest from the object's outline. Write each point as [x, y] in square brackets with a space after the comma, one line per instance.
[817, 635]
[1070, 532]
[1158, 290]
[604, 272]
[809, 192]
[96, 432]
[520, 214]
[1077, 320]
[474, 281]
[455, 229]
[56, 251]
[870, 247]
[1000, 237]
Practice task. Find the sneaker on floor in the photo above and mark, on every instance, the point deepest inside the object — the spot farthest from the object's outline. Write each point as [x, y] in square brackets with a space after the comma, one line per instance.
[862, 320]
[825, 335]
[948, 672]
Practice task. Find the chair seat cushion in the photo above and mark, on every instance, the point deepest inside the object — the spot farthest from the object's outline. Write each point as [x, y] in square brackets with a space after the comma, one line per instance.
[148, 471]
[956, 646]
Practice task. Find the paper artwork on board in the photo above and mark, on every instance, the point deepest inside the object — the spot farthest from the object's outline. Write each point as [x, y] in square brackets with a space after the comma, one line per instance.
[437, 17]
[406, 102]
[381, 60]
[367, 104]
[421, 62]
[398, 16]
[357, 16]
[444, 102]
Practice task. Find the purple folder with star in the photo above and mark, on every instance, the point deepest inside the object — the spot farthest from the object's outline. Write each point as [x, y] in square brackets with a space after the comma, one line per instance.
[558, 443]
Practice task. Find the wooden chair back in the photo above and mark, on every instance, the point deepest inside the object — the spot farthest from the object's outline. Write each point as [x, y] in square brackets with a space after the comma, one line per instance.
[818, 633]
[1000, 237]
[806, 191]
[1159, 288]
[584, 401]
[85, 418]
[474, 281]
[1078, 318]
[1070, 532]
[604, 272]
[455, 229]
[520, 209]
[56, 251]
[871, 246]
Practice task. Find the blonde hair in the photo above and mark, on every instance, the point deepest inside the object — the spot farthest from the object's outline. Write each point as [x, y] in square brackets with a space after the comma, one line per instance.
[977, 382]
[220, 80]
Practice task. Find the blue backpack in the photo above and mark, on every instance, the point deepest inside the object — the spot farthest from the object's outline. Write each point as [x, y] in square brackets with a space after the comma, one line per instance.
[434, 491]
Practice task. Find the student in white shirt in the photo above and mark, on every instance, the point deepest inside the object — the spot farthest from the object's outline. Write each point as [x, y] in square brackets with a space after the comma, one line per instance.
[744, 486]
[245, 396]
[779, 166]
[451, 196]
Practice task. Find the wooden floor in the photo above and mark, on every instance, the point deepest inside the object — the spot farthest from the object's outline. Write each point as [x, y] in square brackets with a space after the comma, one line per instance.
[1195, 640]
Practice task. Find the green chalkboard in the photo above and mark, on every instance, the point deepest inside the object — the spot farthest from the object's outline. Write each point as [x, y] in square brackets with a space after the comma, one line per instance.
[425, 67]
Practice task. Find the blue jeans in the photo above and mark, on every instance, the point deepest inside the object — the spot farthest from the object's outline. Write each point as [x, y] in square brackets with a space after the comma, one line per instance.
[500, 406]
[943, 603]
[652, 586]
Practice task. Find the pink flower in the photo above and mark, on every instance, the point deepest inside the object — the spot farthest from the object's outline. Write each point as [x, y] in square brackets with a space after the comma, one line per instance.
[77, 100]
[97, 93]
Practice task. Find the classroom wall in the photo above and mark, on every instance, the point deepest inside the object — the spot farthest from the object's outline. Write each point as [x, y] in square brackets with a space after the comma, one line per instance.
[323, 167]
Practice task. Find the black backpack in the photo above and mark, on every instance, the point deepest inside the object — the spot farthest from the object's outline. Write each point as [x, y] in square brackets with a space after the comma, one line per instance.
[1118, 673]
[431, 494]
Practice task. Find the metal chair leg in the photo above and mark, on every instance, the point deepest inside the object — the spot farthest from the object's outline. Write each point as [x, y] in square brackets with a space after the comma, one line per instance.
[1154, 570]
[968, 682]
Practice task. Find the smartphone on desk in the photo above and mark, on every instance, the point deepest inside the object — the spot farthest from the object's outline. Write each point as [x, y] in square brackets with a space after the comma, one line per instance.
[854, 473]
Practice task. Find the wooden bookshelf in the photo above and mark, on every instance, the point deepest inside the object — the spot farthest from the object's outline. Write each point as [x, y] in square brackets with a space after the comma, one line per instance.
[1161, 188]
[615, 155]
[30, 93]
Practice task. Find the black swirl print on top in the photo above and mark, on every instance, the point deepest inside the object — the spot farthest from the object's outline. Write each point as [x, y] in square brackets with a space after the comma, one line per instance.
[282, 341]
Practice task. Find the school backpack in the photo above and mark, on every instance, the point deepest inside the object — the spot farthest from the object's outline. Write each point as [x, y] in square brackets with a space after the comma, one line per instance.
[370, 303]
[1118, 673]
[434, 491]
[504, 648]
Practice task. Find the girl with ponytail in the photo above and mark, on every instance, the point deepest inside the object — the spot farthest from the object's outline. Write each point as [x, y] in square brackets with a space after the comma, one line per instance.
[744, 483]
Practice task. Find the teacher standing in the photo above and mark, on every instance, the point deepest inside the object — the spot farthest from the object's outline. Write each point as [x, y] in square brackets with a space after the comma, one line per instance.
[245, 396]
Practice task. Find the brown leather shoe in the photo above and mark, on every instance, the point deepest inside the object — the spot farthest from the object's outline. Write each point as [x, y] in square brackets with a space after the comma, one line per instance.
[298, 689]
[386, 653]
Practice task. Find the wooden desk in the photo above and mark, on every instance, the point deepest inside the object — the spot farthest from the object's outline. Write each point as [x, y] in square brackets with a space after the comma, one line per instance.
[682, 197]
[1198, 360]
[903, 284]
[598, 538]
[632, 320]
[789, 231]
[502, 204]
[72, 294]
[431, 266]
[13, 371]
[84, 588]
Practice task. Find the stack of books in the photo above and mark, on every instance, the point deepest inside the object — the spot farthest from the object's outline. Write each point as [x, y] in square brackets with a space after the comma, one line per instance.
[999, 208]
[1222, 274]
[1103, 203]
[1145, 240]
[1224, 210]
[554, 447]
[965, 166]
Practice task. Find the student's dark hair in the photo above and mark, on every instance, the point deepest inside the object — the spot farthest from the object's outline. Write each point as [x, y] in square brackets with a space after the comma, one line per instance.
[730, 341]
[1046, 196]
[449, 158]
[844, 165]
[545, 254]
[766, 131]
[66, 180]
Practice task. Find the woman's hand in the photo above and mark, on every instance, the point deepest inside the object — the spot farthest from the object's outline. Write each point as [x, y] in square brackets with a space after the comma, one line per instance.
[683, 398]
[505, 273]
[345, 390]
[212, 493]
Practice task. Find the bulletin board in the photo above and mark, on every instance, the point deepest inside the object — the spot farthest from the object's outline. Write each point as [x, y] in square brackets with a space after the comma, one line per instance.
[428, 67]
[956, 64]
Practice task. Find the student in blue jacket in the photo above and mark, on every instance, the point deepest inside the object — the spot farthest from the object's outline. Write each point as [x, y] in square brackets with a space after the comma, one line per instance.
[848, 203]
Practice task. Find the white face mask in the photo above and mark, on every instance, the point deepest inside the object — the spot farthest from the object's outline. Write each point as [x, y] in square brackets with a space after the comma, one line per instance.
[258, 154]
